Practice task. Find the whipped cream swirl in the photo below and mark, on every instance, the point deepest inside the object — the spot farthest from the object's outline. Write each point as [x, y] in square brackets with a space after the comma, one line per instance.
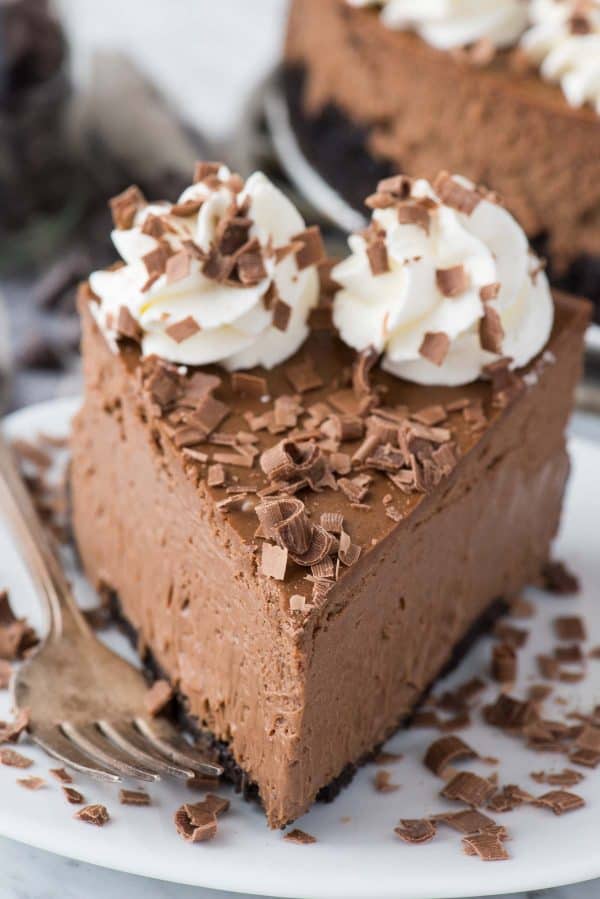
[188, 308]
[564, 41]
[437, 277]
[448, 24]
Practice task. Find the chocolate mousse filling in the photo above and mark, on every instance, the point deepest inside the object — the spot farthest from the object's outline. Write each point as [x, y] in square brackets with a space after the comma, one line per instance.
[303, 564]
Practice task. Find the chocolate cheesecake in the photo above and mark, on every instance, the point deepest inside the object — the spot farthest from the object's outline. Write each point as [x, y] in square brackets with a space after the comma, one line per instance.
[301, 531]
[505, 93]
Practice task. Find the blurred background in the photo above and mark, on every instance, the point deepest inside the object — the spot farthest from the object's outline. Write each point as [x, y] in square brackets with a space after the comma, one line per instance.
[95, 96]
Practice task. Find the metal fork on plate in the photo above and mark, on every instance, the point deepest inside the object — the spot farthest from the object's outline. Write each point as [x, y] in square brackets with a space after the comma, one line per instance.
[85, 703]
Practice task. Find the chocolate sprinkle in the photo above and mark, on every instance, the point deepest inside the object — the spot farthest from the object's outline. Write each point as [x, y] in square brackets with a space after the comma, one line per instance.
[183, 330]
[487, 846]
[445, 750]
[73, 796]
[435, 346]
[468, 787]
[93, 814]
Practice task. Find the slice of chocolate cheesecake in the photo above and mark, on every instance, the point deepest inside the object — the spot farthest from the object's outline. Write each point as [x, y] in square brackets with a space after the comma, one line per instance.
[303, 545]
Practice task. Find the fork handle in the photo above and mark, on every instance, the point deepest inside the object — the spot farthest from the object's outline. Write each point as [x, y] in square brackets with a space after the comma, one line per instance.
[36, 549]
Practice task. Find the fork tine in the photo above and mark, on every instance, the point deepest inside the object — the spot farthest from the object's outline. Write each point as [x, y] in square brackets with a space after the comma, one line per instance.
[130, 740]
[54, 742]
[166, 739]
[91, 741]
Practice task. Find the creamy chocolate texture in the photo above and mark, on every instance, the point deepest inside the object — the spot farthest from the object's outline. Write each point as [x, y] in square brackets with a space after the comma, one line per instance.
[419, 109]
[394, 513]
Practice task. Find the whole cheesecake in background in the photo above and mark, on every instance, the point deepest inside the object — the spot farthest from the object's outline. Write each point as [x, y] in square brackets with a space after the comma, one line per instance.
[304, 529]
[505, 92]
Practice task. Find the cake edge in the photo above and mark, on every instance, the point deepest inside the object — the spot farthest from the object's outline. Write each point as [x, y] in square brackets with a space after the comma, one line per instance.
[233, 773]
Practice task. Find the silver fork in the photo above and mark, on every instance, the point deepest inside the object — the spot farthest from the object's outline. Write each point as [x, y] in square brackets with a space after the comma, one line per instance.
[85, 703]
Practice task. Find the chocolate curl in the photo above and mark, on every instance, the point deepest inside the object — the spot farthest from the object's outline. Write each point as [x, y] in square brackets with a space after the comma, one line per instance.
[321, 544]
[285, 521]
[361, 371]
[290, 461]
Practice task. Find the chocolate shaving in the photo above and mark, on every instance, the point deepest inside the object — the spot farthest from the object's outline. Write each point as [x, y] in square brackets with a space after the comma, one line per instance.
[178, 267]
[416, 830]
[452, 282]
[489, 292]
[202, 828]
[250, 266]
[468, 787]
[487, 846]
[509, 798]
[249, 385]
[569, 627]
[125, 205]
[273, 561]
[412, 212]
[281, 314]
[31, 782]
[311, 250]
[155, 261]
[565, 778]
[93, 814]
[204, 170]
[504, 663]
[470, 821]
[445, 750]
[508, 713]
[297, 603]
[491, 332]
[183, 330]
[560, 801]
[361, 371]
[453, 194]
[332, 522]
[133, 797]
[210, 413]
[158, 697]
[127, 327]
[187, 208]
[377, 255]
[382, 782]
[10, 731]
[61, 775]
[299, 836]
[348, 552]
[73, 796]
[16, 636]
[14, 759]
[435, 346]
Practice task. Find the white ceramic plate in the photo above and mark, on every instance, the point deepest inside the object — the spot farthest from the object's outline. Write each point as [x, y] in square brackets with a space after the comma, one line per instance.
[361, 856]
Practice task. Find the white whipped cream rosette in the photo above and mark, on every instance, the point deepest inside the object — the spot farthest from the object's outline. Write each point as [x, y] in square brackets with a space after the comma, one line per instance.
[564, 41]
[197, 319]
[494, 278]
[448, 24]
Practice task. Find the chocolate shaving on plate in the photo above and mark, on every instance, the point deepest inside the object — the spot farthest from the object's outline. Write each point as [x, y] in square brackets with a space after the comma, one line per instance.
[299, 836]
[61, 775]
[569, 627]
[487, 846]
[134, 797]
[504, 663]
[382, 782]
[446, 750]
[73, 796]
[31, 782]
[14, 759]
[565, 778]
[10, 731]
[560, 801]
[469, 821]
[195, 825]
[416, 830]
[468, 787]
[93, 814]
